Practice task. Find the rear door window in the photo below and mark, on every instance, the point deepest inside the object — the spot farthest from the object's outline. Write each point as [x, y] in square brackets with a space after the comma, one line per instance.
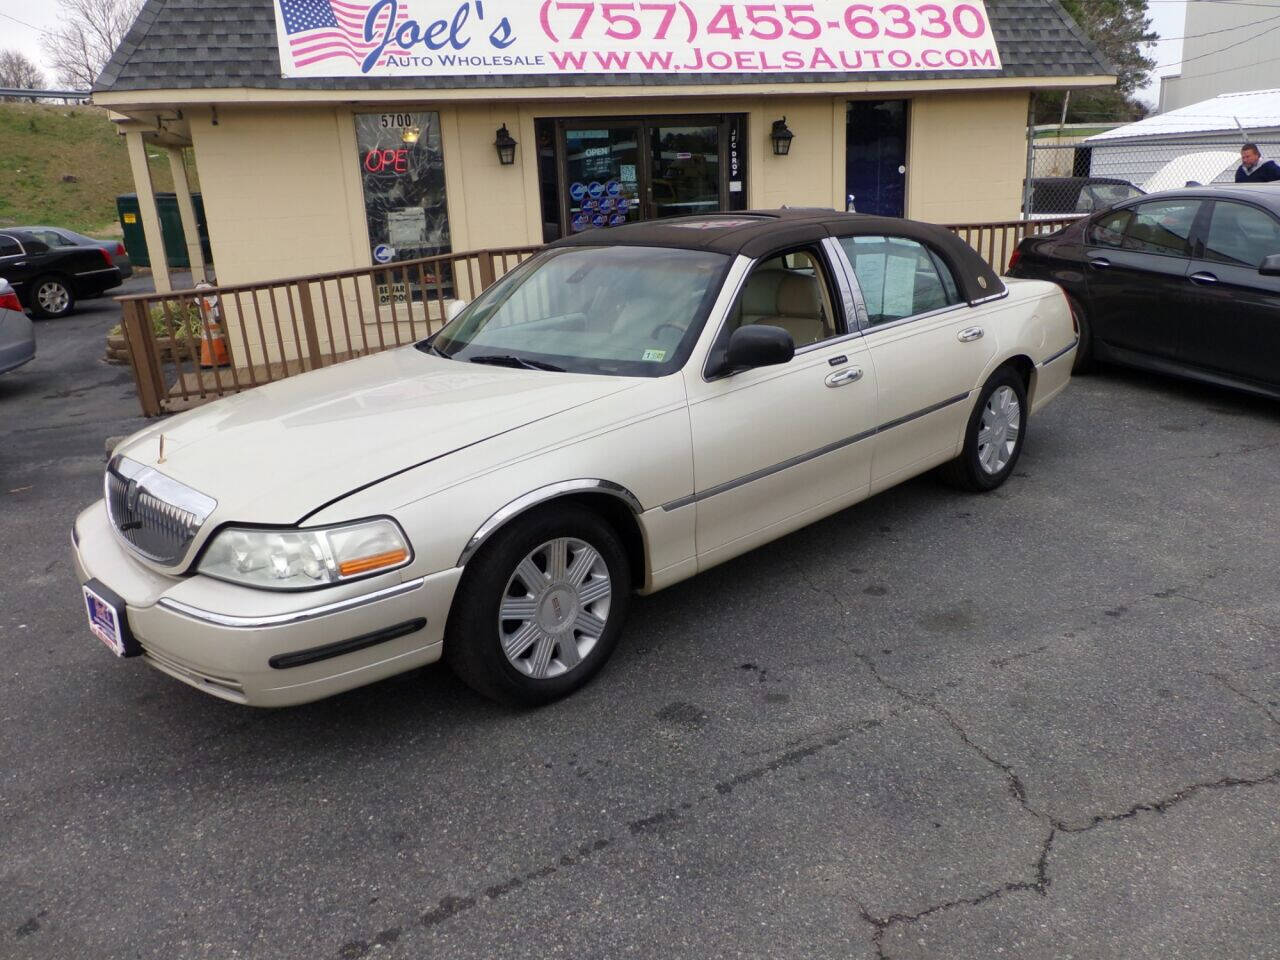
[1108, 230]
[1241, 235]
[899, 278]
[9, 247]
[52, 239]
[1162, 227]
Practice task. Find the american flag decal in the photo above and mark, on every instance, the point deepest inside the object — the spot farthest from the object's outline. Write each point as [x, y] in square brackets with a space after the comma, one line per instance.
[323, 30]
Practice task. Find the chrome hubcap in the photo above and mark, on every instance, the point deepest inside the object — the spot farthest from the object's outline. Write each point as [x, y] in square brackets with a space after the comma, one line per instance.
[53, 297]
[555, 608]
[1001, 428]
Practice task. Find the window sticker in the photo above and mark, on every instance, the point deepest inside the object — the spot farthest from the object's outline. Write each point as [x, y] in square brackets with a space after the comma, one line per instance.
[900, 286]
[655, 356]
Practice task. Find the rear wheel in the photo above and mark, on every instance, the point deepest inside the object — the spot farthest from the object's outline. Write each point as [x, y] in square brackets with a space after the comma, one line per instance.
[1084, 350]
[540, 608]
[51, 297]
[994, 438]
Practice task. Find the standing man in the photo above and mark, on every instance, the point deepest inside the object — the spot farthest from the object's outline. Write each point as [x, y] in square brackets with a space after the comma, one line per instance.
[1253, 169]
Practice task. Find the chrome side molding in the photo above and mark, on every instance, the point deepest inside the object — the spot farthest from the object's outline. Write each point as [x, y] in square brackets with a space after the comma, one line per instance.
[297, 616]
[542, 495]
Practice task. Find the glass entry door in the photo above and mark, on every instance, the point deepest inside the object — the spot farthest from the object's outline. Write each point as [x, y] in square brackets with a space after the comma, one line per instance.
[686, 170]
[602, 176]
[621, 170]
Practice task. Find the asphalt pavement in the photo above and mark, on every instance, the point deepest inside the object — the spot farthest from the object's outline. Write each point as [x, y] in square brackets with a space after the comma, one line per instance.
[1042, 723]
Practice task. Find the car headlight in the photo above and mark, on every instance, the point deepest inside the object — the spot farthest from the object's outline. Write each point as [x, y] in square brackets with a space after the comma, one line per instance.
[302, 559]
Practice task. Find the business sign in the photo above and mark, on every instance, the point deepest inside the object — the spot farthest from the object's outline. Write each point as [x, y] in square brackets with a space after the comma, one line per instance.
[462, 38]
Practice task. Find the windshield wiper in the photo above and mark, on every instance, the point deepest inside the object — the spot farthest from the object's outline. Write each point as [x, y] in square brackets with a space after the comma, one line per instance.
[510, 360]
[428, 347]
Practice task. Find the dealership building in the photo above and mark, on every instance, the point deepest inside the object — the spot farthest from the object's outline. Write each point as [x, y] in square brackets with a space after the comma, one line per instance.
[334, 134]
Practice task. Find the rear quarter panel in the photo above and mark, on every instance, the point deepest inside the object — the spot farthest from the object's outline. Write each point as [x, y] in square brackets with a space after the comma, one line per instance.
[1057, 258]
[1035, 322]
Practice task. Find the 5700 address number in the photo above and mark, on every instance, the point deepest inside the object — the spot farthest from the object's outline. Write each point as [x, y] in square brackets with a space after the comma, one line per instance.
[571, 20]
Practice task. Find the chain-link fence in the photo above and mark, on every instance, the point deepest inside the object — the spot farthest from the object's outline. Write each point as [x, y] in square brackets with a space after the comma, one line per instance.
[1077, 175]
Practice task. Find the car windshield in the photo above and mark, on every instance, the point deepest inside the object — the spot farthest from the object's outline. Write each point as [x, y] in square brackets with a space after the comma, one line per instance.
[624, 311]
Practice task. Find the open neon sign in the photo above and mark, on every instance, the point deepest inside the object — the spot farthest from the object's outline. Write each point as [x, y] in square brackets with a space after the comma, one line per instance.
[387, 161]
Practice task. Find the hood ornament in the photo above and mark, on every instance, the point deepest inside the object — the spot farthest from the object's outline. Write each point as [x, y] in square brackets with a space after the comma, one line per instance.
[161, 459]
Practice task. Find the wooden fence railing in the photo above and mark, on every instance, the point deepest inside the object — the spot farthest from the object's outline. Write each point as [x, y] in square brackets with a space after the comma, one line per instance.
[192, 346]
[995, 242]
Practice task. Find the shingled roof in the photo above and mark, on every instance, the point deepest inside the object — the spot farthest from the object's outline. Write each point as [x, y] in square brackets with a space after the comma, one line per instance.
[216, 44]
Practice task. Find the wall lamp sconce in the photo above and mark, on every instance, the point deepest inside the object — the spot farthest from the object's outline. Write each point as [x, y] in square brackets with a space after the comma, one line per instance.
[506, 146]
[781, 137]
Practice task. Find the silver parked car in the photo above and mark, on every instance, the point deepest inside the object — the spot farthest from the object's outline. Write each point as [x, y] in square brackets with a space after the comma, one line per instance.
[17, 339]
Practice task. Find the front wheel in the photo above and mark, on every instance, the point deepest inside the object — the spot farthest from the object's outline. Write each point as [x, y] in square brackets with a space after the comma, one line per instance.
[52, 298]
[540, 608]
[995, 435]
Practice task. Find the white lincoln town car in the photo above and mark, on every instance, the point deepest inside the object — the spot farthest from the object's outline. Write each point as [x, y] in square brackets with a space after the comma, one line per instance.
[623, 410]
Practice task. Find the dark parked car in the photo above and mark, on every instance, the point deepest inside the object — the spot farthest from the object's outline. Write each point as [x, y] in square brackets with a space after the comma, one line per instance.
[49, 280]
[1185, 282]
[1063, 196]
[62, 237]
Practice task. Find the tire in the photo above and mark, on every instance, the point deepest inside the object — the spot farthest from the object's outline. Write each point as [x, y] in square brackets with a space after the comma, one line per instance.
[1084, 362]
[530, 658]
[51, 297]
[983, 466]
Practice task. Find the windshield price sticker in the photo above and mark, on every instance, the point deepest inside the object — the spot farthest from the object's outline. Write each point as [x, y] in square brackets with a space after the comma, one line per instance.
[510, 37]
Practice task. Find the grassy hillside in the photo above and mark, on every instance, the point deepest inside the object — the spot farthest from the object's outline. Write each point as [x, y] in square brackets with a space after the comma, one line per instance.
[39, 145]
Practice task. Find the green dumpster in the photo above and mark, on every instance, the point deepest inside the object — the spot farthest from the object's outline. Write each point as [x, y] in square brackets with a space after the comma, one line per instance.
[175, 243]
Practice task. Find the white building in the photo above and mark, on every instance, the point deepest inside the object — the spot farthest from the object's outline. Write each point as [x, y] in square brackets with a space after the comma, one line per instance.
[1199, 143]
[1229, 47]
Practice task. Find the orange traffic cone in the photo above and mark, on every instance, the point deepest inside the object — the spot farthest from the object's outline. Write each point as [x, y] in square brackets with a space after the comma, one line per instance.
[213, 345]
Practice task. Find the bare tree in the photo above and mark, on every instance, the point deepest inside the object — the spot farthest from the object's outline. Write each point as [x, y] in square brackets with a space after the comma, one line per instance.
[87, 35]
[19, 73]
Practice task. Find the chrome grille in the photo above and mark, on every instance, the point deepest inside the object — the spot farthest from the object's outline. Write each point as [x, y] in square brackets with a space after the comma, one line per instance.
[156, 516]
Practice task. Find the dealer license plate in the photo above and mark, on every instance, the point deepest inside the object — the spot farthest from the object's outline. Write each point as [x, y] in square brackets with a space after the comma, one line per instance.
[104, 622]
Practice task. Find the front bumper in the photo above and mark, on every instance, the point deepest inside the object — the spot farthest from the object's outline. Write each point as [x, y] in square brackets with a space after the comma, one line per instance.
[268, 649]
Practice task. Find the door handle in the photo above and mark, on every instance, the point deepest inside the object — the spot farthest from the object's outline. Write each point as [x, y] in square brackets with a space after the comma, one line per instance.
[971, 334]
[842, 378]
[1203, 278]
[1099, 263]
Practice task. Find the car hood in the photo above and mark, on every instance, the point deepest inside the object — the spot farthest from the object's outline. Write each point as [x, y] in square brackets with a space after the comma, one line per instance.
[278, 453]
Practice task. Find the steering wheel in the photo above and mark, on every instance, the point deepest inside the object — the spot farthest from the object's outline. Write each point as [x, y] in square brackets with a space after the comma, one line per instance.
[665, 326]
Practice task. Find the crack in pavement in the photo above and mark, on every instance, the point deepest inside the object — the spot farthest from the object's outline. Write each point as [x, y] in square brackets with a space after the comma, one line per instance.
[1265, 708]
[1016, 787]
[1164, 803]
[1039, 886]
[452, 905]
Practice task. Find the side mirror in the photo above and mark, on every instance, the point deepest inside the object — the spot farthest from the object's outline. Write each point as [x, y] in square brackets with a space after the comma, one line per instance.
[756, 345]
[1270, 266]
[453, 308]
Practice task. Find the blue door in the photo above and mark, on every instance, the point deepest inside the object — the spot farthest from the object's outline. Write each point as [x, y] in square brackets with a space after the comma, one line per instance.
[876, 156]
